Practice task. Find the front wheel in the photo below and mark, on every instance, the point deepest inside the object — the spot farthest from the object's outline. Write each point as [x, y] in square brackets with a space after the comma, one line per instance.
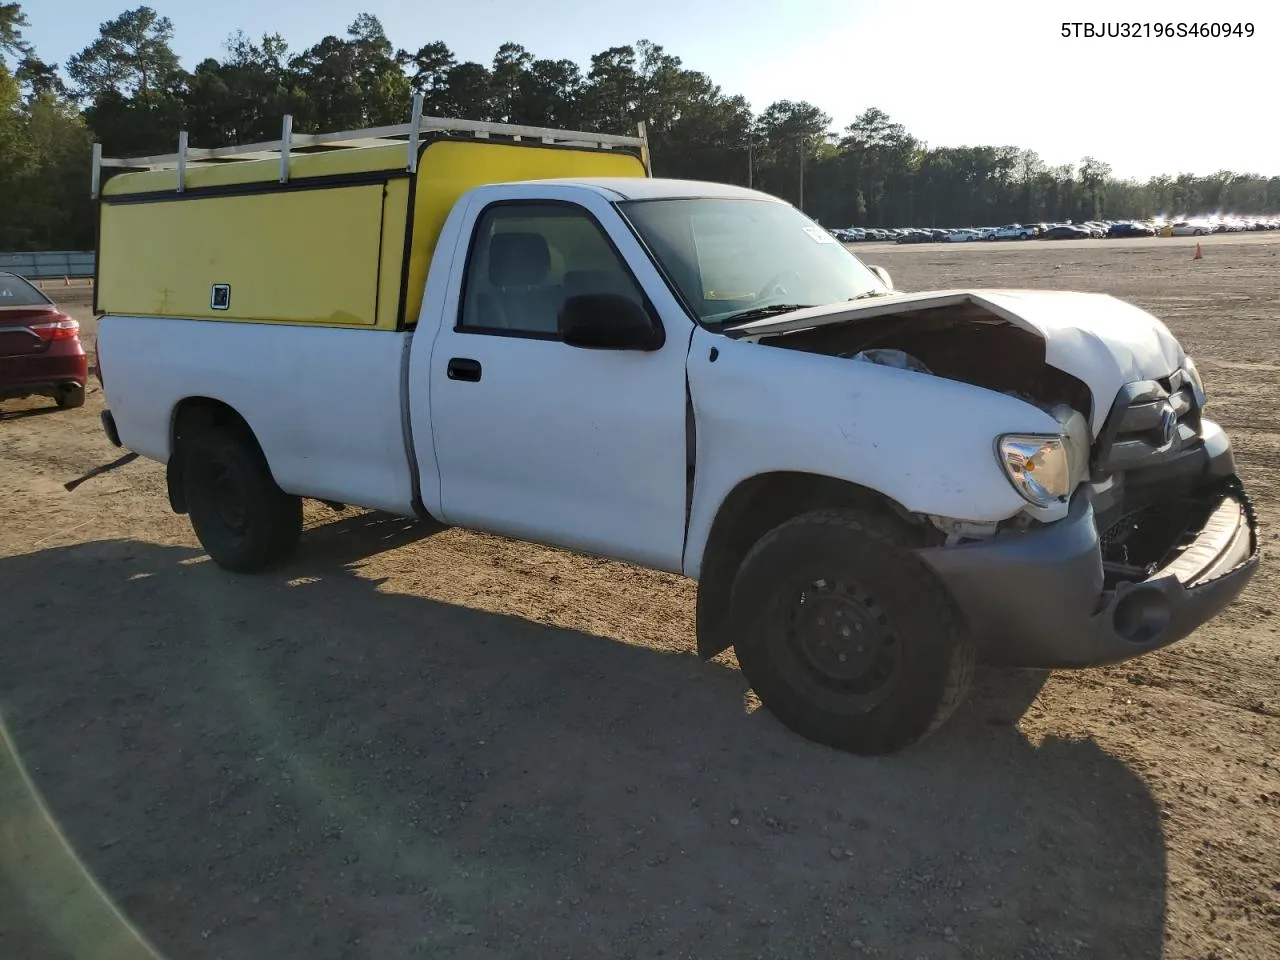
[243, 520]
[846, 636]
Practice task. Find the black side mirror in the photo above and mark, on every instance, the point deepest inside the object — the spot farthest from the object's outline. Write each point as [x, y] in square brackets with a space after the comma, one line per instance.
[608, 321]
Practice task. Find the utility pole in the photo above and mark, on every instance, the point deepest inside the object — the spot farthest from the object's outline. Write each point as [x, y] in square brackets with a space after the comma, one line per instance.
[751, 160]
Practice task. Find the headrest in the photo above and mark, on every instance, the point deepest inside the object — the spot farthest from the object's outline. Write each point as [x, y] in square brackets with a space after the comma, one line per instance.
[593, 281]
[518, 259]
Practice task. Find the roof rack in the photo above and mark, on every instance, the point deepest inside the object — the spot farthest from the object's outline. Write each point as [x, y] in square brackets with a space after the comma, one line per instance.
[404, 133]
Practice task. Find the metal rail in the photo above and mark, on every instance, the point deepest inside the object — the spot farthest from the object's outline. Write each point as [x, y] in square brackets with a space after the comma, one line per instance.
[407, 134]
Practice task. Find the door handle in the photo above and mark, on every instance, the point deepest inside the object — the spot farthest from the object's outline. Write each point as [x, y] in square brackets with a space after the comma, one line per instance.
[463, 368]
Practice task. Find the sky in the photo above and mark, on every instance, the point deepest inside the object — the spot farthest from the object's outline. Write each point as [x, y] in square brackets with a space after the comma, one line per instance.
[986, 72]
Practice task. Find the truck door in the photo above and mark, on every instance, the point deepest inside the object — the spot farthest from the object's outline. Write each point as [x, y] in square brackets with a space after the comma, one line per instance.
[542, 441]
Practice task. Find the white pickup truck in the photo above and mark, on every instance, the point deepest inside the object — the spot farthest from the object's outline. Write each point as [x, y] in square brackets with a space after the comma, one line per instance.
[1013, 231]
[523, 332]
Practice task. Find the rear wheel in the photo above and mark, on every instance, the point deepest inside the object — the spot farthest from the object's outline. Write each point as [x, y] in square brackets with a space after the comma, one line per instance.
[243, 520]
[846, 636]
[70, 397]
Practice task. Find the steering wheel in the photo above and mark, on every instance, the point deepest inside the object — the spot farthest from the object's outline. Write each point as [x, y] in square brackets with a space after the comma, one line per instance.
[773, 287]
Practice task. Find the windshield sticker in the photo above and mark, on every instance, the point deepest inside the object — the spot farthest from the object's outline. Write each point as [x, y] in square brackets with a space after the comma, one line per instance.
[819, 235]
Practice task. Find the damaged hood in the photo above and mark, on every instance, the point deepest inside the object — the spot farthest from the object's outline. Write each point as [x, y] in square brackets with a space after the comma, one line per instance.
[1100, 340]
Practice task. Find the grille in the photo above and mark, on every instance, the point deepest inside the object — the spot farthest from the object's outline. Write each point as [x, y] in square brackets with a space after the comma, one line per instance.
[1151, 421]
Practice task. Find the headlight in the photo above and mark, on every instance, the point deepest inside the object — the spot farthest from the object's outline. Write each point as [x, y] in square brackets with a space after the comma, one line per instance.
[1197, 385]
[1039, 467]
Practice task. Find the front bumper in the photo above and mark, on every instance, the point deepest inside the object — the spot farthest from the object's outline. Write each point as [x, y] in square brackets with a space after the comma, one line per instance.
[1040, 598]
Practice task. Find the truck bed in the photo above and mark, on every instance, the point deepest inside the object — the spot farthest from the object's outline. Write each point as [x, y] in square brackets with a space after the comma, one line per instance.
[324, 403]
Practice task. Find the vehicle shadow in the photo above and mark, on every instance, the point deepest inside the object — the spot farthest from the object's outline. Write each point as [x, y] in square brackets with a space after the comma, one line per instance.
[352, 537]
[304, 764]
[29, 411]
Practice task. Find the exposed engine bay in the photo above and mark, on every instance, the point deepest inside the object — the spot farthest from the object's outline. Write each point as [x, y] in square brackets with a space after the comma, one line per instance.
[963, 342]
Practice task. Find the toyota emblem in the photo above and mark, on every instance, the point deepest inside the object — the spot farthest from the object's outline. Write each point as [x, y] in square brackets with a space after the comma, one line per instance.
[1168, 425]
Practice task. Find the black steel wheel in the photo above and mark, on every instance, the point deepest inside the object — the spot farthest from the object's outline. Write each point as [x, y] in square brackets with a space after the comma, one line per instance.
[844, 641]
[241, 517]
[846, 636]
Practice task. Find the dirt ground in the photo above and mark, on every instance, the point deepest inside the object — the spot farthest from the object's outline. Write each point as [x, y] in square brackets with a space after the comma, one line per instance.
[421, 743]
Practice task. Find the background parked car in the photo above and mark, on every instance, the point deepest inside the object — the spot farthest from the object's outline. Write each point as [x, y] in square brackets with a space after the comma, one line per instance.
[1131, 230]
[915, 236]
[1067, 231]
[40, 349]
[1013, 231]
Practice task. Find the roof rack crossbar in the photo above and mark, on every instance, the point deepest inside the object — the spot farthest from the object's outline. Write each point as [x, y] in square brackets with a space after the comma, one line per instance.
[286, 146]
[96, 177]
[415, 132]
[182, 160]
[406, 134]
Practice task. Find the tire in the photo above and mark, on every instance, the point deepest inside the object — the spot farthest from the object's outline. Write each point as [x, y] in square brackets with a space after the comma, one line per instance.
[70, 397]
[874, 704]
[243, 520]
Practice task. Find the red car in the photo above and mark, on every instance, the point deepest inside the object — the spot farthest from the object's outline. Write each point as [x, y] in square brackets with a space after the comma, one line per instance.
[40, 349]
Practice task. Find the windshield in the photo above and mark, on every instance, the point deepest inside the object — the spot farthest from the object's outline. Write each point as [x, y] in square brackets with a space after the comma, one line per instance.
[16, 292]
[735, 259]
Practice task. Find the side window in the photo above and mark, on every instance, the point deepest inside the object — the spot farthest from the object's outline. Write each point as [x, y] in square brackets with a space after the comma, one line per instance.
[527, 258]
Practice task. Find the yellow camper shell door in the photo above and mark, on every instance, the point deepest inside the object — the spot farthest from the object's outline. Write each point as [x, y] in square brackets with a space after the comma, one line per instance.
[302, 256]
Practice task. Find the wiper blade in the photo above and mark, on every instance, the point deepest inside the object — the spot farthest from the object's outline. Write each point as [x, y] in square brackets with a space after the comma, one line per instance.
[871, 293]
[758, 313]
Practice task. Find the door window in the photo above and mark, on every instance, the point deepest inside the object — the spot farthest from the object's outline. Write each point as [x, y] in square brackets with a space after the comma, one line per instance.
[527, 258]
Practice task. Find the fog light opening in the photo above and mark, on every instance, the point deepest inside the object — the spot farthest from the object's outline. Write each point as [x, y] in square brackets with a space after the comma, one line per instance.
[1141, 616]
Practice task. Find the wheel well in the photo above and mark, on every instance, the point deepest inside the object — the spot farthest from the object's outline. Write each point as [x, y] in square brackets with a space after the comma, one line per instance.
[752, 509]
[191, 416]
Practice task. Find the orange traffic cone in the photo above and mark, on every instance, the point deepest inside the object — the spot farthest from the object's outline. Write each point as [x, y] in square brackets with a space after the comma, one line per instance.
[1199, 255]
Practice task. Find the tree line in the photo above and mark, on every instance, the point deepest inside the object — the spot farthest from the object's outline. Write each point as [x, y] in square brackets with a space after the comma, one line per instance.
[129, 90]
